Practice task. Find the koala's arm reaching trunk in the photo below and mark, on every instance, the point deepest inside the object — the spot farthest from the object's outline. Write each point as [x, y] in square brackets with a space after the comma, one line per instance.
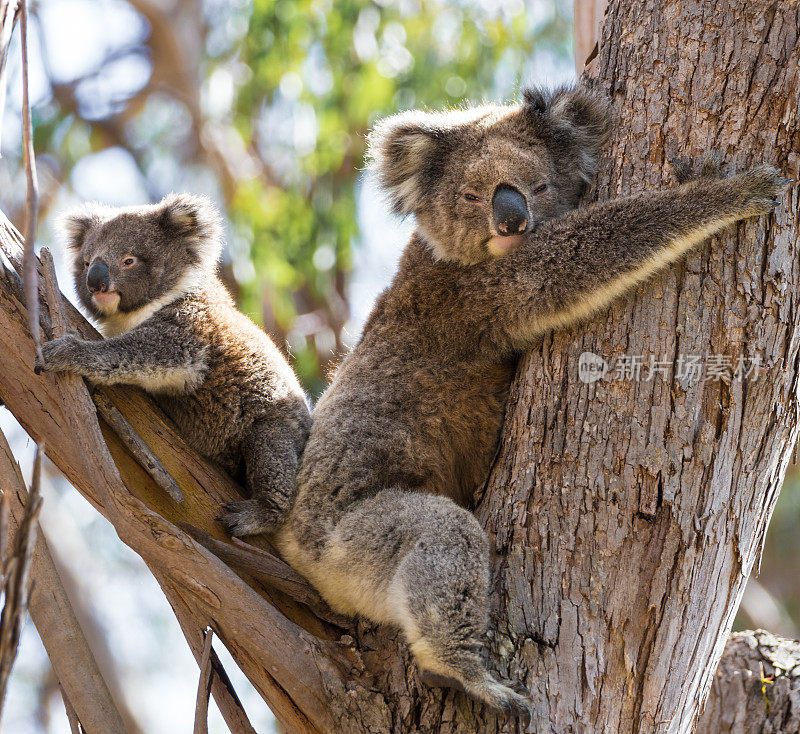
[157, 357]
[569, 268]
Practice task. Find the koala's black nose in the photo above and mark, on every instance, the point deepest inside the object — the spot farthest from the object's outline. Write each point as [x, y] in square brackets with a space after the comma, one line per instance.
[510, 211]
[97, 279]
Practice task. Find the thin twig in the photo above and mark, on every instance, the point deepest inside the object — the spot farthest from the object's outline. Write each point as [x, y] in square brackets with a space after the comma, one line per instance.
[72, 716]
[32, 198]
[204, 686]
[8, 9]
[5, 511]
[136, 445]
[16, 574]
[220, 680]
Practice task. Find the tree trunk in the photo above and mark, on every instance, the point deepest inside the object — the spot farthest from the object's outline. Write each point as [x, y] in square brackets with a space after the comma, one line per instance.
[626, 514]
[635, 510]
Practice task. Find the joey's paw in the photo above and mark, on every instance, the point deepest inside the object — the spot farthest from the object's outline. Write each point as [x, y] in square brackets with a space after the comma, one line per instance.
[248, 517]
[59, 354]
[759, 190]
[709, 166]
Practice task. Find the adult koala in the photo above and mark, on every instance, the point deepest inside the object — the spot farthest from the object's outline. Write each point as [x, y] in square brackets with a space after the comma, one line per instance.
[410, 423]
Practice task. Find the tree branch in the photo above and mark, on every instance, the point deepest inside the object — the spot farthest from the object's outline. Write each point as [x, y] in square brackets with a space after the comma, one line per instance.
[204, 686]
[32, 198]
[75, 726]
[54, 617]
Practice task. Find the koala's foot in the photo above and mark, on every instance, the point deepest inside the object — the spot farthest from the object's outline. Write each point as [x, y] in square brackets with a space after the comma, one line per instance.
[501, 696]
[440, 591]
[249, 517]
[759, 190]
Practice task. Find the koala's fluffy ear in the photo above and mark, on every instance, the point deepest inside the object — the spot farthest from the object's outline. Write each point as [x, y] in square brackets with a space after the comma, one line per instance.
[574, 119]
[77, 223]
[194, 221]
[408, 151]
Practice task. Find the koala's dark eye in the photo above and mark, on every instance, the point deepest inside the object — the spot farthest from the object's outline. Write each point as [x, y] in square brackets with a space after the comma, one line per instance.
[86, 263]
[472, 198]
[129, 261]
[539, 189]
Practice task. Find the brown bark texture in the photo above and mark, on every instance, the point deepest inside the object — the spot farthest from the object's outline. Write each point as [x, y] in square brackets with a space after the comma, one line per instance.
[756, 688]
[625, 514]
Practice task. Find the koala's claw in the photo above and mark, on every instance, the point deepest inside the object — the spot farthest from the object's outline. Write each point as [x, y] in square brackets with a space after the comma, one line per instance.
[683, 170]
[247, 517]
[520, 705]
[711, 165]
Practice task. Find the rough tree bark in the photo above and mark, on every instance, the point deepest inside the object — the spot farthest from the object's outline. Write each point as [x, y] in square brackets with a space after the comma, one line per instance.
[626, 515]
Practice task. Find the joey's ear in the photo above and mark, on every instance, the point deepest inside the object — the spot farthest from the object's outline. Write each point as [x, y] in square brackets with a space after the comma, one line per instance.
[408, 152]
[574, 119]
[77, 223]
[194, 221]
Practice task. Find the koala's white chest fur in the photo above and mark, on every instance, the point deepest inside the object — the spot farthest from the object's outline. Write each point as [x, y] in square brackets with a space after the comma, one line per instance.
[121, 321]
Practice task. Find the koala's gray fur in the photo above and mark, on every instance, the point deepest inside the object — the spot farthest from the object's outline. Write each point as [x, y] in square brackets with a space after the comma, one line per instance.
[410, 422]
[174, 330]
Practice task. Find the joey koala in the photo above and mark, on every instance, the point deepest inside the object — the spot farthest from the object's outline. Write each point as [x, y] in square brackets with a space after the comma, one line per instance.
[408, 427]
[147, 275]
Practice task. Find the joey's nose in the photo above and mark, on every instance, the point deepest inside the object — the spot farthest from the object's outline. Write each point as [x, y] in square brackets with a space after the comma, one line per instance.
[510, 211]
[97, 279]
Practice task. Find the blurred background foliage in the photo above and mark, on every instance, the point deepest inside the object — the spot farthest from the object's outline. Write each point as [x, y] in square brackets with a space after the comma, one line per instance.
[264, 106]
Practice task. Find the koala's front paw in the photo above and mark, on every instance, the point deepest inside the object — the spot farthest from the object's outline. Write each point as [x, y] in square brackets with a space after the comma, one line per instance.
[759, 190]
[60, 354]
[248, 517]
[710, 166]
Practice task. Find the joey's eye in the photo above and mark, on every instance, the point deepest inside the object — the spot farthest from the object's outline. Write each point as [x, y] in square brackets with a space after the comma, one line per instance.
[472, 198]
[539, 189]
[128, 261]
[86, 263]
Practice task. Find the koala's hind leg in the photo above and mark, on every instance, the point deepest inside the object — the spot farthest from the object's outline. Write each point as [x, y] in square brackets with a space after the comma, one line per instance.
[271, 457]
[440, 591]
[418, 561]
